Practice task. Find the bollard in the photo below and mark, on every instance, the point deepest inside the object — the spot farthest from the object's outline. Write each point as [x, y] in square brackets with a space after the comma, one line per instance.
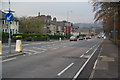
[60, 39]
[0, 47]
[18, 46]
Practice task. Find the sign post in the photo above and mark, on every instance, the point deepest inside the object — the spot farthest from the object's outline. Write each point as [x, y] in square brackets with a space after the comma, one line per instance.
[9, 17]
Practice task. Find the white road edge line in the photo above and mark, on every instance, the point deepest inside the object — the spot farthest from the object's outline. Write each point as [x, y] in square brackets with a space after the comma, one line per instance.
[65, 69]
[77, 74]
[9, 59]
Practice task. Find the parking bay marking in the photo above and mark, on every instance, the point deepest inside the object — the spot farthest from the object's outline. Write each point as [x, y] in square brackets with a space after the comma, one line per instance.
[65, 69]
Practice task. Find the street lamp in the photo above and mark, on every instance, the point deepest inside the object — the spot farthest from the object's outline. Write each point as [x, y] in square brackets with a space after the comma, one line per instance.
[67, 19]
[68, 14]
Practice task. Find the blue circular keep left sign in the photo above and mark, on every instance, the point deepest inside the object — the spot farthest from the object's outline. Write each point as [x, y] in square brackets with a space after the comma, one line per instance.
[9, 17]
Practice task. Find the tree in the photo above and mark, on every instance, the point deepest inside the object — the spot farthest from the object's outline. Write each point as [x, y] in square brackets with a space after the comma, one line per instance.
[31, 25]
[105, 12]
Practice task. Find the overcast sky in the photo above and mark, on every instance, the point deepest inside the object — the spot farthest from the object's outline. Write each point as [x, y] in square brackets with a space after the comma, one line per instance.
[78, 12]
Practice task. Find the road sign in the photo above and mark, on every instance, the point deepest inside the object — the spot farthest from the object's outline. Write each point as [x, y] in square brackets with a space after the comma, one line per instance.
[9, 17]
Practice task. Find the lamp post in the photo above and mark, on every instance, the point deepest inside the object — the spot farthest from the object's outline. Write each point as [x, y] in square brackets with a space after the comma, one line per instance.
[67, 21]
[114, 32]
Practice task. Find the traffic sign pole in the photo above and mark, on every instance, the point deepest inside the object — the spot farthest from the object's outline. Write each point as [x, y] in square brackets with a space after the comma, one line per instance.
[9, 40]
[9, 18]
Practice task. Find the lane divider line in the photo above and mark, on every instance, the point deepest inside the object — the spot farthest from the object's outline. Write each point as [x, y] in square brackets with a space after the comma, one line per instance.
[90, 48]
[87, 51]
[80, 70]
[65, 69]
[9, 59]
[82, 55]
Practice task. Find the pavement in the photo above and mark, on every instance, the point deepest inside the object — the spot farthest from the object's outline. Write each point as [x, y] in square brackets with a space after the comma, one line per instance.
[106, 66]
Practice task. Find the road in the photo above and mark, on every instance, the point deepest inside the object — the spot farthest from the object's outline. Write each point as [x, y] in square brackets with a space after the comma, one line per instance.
[57, 59]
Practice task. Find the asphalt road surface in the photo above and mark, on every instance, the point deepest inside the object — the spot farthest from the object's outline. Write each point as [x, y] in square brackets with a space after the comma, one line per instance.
[57, 59]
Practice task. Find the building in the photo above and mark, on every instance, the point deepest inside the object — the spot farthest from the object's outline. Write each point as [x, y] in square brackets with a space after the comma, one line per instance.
[68, 28]
[60, 28]
[47, 21]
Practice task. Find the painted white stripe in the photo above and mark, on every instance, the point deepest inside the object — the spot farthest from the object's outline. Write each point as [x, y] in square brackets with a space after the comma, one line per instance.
[87, 51]
[33, 51]
[95, 64]
[77, 74]
[36, 53]
[82, 55]
[90, 48]
[65, 69]
[25, 44]
[9, 59]
[39, 48]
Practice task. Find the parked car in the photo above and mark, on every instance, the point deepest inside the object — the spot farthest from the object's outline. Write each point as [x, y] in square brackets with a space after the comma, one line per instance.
[81, 38]
[73, 38]
[88, 37]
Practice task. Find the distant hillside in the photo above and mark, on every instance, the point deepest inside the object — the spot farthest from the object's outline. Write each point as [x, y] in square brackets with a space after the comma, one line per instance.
[88, 25]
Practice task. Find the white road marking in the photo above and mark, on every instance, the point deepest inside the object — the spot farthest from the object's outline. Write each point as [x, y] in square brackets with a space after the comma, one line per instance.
[33, 51]
[36, 53]
[93, 46]
[65, 69]
[95, 64]
[77, 74]
[82, 55]
[54, 48]
[25, 44]
[90, 48]
[39, 48]
[9, 59]
[87, 51]
[48, 45]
